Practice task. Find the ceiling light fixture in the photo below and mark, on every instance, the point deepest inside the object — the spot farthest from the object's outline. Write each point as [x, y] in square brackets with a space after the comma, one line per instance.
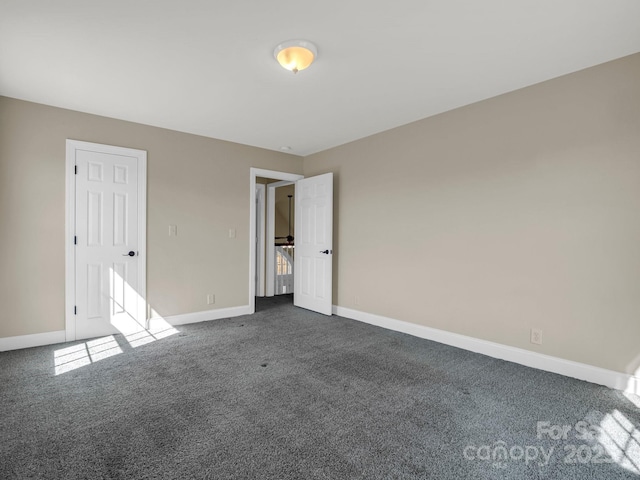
[295, 55]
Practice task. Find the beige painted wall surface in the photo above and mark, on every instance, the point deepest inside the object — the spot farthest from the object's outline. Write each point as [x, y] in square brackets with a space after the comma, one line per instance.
[516, 212]
[197, 183]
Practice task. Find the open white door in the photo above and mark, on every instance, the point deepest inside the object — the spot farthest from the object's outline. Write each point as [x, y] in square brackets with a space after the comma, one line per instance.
[314, 243]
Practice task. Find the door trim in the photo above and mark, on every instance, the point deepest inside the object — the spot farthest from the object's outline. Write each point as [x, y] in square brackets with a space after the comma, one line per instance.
[253, 174]
[260, 239]
[70, 224]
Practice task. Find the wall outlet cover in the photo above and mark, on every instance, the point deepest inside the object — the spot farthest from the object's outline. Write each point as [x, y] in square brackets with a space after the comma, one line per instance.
[536, 336]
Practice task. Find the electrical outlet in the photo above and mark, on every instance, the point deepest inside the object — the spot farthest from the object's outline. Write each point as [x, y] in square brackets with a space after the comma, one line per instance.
[211, 299]
[356, 300]
[536, 336]
[232, 233]
[173, 230]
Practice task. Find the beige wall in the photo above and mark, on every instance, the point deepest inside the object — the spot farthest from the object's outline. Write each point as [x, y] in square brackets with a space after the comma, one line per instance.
[199, 184]
[516, 212]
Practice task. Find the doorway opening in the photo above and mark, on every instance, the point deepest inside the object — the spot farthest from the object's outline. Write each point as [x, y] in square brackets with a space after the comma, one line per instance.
[275, 245]
[281, 242]
[313, 275]
[272, 215]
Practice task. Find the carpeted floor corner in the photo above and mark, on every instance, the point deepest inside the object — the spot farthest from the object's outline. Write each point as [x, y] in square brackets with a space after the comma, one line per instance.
[290, 394]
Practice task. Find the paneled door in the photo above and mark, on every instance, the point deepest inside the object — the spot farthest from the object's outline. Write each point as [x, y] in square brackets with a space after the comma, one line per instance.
[108, 240]
[314, 243]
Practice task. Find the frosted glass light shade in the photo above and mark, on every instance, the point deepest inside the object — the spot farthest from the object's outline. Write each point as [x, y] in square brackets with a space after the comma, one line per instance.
[295, 55]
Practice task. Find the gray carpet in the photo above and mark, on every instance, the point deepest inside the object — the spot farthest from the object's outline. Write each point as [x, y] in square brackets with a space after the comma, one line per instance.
[289, 394]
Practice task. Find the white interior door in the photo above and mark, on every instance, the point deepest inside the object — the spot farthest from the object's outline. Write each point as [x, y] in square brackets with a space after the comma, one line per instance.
[109, 273]
[314, 243]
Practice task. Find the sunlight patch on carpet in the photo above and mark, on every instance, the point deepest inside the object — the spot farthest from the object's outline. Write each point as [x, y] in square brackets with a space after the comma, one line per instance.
[83, 354]
[76, 356]
[621, 439]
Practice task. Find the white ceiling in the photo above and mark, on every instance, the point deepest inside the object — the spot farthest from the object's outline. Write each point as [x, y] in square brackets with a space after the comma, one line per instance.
[207, 66]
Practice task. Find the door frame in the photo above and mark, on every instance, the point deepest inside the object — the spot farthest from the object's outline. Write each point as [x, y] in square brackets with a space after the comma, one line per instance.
[70, 225]
[260, 238]
[253, 174]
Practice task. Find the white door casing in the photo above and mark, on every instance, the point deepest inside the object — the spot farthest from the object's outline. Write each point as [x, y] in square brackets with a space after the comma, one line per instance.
[253, 174]
[260, 239]
[106, 218]
[314, 243]
[270, 252]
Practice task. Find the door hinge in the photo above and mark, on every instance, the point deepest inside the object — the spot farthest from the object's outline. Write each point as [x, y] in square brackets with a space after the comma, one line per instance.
[75, 240]
[75, 310]
[75, 169]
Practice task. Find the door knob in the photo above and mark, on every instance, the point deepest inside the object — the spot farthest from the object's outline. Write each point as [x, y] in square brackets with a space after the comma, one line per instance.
[130, 254]
[326, 252]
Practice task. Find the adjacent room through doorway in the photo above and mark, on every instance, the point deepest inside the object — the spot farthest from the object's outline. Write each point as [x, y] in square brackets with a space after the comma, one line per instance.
[311, 272]
[275, 237]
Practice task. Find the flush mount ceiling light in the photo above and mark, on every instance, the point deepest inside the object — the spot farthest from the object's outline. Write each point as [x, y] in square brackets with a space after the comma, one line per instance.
[295, 55]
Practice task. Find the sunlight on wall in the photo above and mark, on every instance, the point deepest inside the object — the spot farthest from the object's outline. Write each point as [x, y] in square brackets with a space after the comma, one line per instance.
[621, 440]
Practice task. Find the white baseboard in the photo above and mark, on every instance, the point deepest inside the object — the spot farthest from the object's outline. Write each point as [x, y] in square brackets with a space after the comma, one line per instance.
[609, 378]
[207, 315]
[28, 341]
[50, 338]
